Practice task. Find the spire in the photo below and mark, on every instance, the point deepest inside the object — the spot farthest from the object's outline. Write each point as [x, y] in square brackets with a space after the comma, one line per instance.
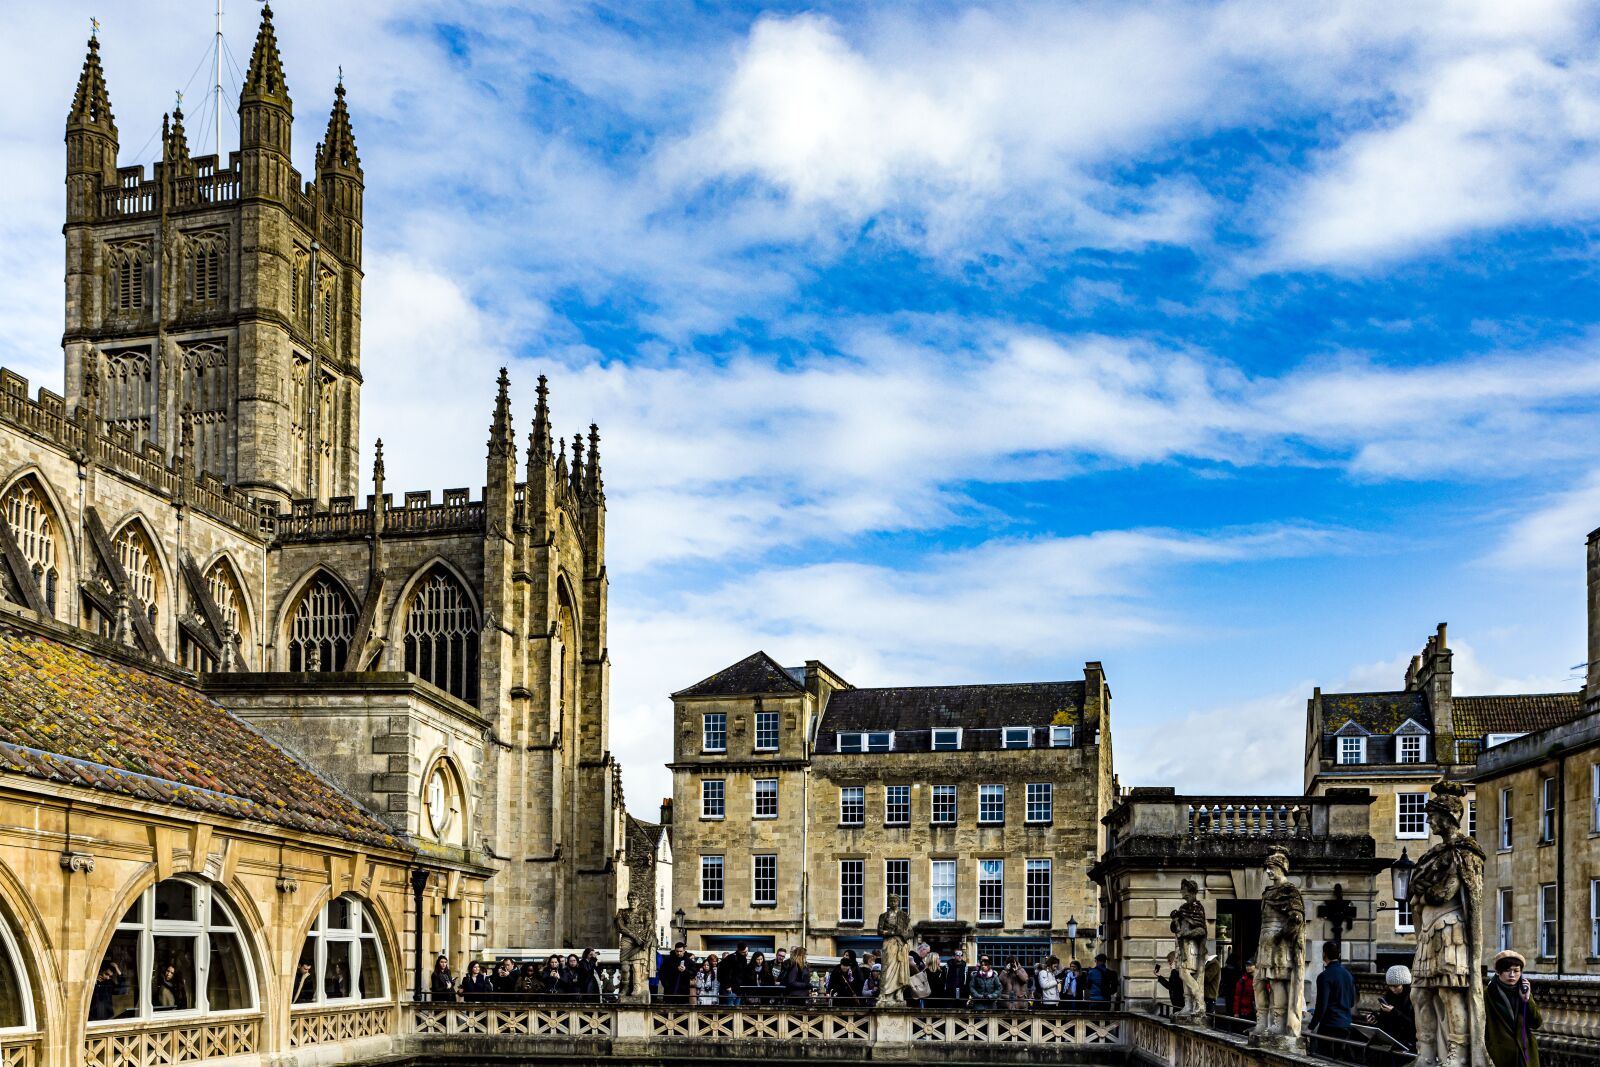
[174, 144]
[263, 83]
[593, 485]
[539, 438]
[337, 152]
[377, 472]
[91, 104]
[561, 460]
[502, 438]
[577, 464]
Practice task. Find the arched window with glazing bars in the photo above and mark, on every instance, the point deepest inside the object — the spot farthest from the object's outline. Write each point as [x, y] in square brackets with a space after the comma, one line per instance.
[441, 640]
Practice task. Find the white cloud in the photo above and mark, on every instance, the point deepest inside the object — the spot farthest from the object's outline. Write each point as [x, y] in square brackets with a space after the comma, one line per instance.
[1552, 534]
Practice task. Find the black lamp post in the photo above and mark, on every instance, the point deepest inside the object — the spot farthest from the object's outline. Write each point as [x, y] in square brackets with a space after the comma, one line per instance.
[1400, 872]
[419, 883]
[1072, 936]
[680, 926]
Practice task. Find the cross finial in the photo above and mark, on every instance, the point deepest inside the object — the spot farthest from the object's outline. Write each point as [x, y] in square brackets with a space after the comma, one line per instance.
[94, 29]
[341, 73]
[180, 100]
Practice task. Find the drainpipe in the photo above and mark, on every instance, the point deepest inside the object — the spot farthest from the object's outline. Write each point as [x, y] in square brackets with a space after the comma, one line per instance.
[419, 882]
[1561, 860]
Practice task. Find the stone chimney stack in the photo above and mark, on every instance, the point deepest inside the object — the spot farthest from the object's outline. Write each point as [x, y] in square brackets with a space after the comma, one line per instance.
[1433, 678]
[666, 811]
[1592, 683]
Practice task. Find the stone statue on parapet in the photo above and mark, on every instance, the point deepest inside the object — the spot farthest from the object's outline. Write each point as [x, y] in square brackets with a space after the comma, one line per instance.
[1446, 897]
[636, 949]
[1189, 930]
[894, 926]
[1280, 959]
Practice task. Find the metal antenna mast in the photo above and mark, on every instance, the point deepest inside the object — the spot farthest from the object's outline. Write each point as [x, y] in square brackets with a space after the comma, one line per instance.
[217, 88]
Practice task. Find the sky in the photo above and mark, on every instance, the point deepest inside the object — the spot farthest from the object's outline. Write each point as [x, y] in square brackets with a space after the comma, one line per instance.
[1234, 345]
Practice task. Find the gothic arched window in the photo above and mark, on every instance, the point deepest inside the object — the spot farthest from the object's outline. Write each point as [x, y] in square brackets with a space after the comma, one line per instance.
[204, 402]
[442, 635]
[16, 996]
[125, 398]
[138, 558]
[322, 627]
[125, 268]
[223, 585]
[206, 267]
[38, 534]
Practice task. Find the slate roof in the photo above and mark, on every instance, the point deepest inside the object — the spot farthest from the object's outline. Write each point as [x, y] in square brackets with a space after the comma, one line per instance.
[1379, 713]
[980, 710]
[81, 718]
[641, 842]
[757, 673]
[1480, 716]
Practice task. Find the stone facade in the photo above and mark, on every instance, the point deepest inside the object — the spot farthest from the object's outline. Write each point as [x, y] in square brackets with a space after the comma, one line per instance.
[191, 498]
[766, 787]
[1396, 744]
[1158, 838]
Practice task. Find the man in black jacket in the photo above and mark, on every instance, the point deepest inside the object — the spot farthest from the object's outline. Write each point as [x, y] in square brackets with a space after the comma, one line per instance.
[733, 973]
[676, 976]
[955, 982]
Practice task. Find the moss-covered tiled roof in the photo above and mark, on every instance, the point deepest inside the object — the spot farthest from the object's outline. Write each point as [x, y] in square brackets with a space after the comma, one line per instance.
[71, 715]
[981, 711]
[756, 673]
[1379, 713]
[1481, 716]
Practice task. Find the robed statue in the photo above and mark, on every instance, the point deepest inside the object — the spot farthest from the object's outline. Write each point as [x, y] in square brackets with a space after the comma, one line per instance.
[894, 926]
[1446, 897]
[636, 950]
[1189, 930]
[1280, 958]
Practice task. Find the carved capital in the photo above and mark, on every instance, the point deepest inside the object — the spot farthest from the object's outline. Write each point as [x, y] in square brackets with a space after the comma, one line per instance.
[76, 862]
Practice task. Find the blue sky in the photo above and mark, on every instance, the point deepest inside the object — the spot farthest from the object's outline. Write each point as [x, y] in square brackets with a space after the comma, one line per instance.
[1234, 345]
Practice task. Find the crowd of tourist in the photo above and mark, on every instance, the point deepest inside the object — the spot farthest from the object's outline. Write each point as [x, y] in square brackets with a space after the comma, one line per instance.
[933, 982]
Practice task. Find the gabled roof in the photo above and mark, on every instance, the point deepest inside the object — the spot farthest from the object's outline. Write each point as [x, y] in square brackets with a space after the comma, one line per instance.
[87, 718]
[980, 710]
[1379, 713]
[757, 673]
[1481, 716]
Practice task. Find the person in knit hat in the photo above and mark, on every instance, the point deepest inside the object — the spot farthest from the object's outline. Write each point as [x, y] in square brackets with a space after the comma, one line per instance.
[1510, 1015]
[1395, 1015]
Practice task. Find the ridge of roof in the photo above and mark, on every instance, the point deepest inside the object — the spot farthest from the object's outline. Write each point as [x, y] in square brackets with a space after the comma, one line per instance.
[756, 673]
[955, 685]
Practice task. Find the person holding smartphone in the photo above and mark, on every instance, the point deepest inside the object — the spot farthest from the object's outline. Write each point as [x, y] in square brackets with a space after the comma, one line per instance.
[1510, 1014]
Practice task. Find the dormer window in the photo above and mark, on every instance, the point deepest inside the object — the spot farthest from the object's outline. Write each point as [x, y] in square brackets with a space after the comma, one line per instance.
[1352, 750]
[1016, 737]
[875, 741]
[947, 740]
[1060, 737]
[1413, 748]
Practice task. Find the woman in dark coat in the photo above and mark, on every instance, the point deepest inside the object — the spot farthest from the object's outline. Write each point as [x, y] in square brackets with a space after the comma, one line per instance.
[443, 983]
[1510, 1015]
[589, 976]
[844, 985]
[529, 983]
[477, 985]
[797, 978]
[762, 977]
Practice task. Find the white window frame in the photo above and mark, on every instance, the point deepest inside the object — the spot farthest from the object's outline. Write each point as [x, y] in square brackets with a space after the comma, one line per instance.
[1594, 918]
[889, 882]
[1549, 924]
[1419, 802]
[1547, 810]
[872, 740]
[707, 865]
[852, 891]
[889, 806]
[363, 936]
[938, 793]
[857, 742]
[1357, 747]
[1594, 797]
[149, 928]
[858, 796]
[758, 883]
[1505, 916]
[706, 732]
[990, 791]
[1040, 795]
[776, 723]
[945, 733]
[1472, 817]
[708, 794]
[1016, 737]
[939, 886]
[764, 789]
[1507, 826]
[1404, 923]
[991, 891]
[1032, 916]
[1500, 739]
[1404, 741]
[1061, 736]
[8, 945]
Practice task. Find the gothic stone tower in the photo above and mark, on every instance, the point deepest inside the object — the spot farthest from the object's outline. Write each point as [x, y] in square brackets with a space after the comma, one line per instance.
[218, 308]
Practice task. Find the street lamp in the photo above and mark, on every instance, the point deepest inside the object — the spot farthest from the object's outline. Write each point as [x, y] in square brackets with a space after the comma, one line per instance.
[1400, 872]
[1072, 936]
[680, 925]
